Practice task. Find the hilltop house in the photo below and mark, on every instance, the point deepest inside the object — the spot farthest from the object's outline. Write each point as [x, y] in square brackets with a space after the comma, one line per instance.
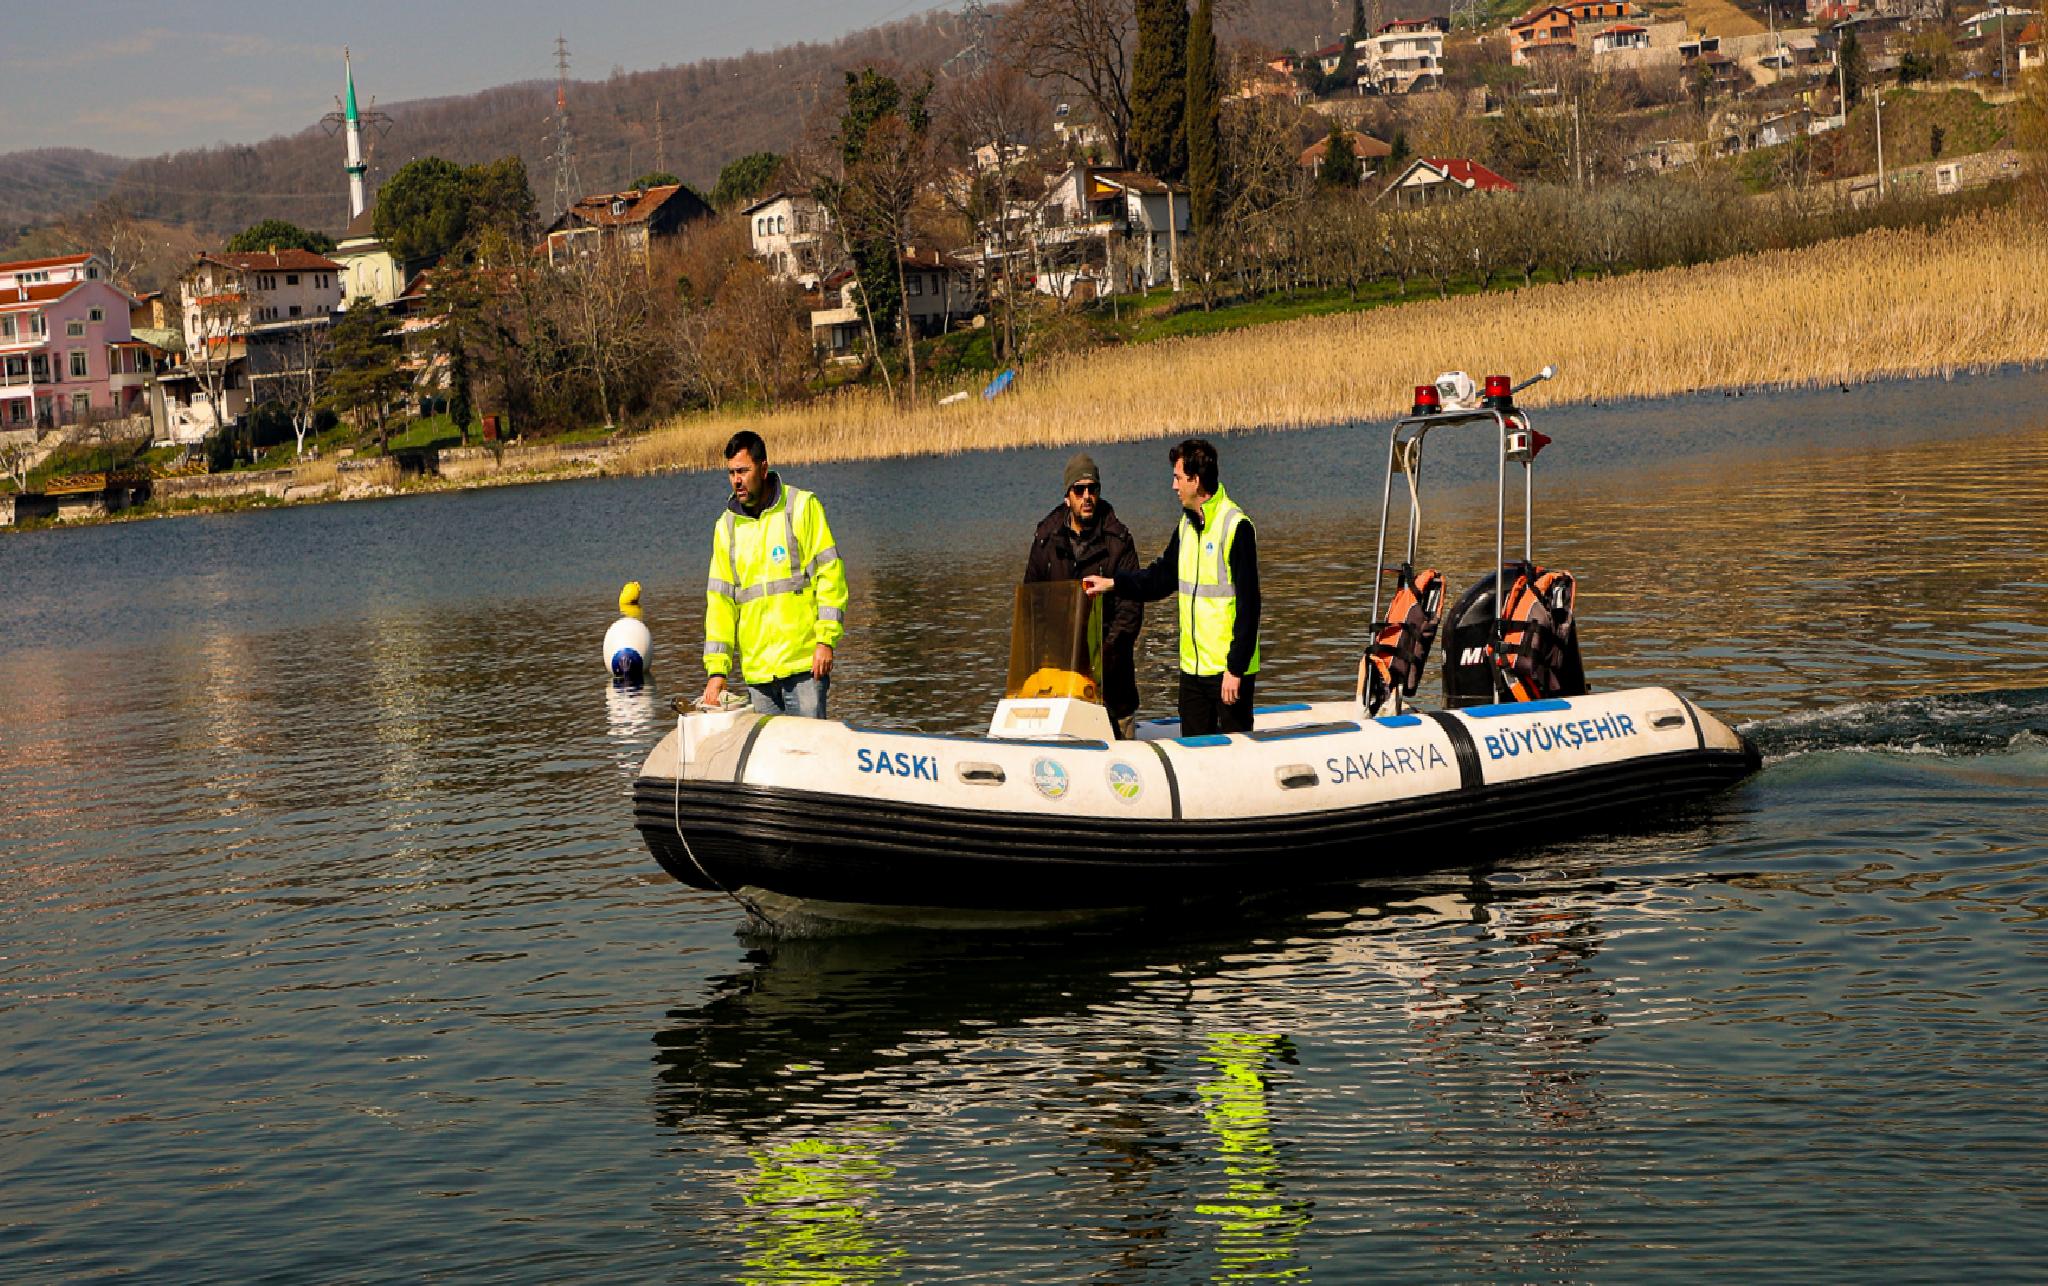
[1551, 30]
[787, 232]
[66, 354]
[1369, 151]
[247, 318]
[629, 222]
[938, 294]
[1435, 178]
[1105, 231]
[1404, 56]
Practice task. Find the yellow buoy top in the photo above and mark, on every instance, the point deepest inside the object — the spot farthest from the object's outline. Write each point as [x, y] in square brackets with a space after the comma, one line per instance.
[629, 600]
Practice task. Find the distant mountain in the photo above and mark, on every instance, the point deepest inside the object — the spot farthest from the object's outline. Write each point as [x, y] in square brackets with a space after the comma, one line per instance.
[689, 120]
[40, 185]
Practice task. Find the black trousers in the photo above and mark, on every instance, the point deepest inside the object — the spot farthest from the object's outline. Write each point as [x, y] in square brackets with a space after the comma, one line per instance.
[1201, 705]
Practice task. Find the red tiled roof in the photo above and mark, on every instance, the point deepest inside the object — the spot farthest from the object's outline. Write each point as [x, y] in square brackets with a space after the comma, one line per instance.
[1623, 27]
[30, 265]
[640, 206]
[2031, 35]
[36, 296]
[1363, 146]
[282, 261]
[1471, 173]
[1532, 15]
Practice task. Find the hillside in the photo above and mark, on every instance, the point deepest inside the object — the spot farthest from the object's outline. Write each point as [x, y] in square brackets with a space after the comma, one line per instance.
[40, 185]
[708, 112]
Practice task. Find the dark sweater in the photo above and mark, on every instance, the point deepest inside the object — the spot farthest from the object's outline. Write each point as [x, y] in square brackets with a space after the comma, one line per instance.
[1162, 578]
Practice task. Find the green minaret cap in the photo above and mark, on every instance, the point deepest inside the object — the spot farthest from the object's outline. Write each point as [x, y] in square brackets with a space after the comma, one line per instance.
[350, 72]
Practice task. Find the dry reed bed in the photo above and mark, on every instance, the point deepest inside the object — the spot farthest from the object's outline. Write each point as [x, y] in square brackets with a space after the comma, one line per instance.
[1885, 304]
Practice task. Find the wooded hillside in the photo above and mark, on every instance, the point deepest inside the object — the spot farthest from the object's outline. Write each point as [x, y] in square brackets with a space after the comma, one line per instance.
[707, 113]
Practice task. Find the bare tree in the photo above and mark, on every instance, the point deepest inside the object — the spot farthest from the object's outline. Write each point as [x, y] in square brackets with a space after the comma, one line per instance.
[15, 458]
[881, 202]
[1084, 43]
[221, 340]
[995, 120]
[606, 309]
[107, 230]
[299, 383]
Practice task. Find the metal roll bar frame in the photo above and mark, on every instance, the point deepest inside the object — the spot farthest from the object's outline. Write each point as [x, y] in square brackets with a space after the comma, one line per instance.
[1404, 455]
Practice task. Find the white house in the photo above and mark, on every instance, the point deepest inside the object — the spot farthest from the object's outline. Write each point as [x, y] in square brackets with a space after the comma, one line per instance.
[938, 295]
[1619, 37]
[1402, 57]
[787, 232]
[242, 311]
[1103, 231]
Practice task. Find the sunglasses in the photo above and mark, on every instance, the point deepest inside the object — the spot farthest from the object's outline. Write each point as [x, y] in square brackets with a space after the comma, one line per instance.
[1085, 489]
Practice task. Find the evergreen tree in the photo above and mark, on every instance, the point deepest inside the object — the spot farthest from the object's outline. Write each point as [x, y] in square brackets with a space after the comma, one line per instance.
[1159, 136]
[1339, 172]
[423, 210]
[1204, 121]
[745, 179]
[365, 379]
[1357, 33]
[655, 179]
[261, 237]
[1850, 55]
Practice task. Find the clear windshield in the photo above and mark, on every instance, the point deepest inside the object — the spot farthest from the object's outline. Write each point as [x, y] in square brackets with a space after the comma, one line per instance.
[1055, 638]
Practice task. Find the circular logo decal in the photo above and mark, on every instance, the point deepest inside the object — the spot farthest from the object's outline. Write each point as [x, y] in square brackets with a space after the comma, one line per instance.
[778, 553]
[1124, 780]
[1049, 777]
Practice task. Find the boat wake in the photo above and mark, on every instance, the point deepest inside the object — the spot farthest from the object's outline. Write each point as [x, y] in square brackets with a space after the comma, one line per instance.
[1972, 723]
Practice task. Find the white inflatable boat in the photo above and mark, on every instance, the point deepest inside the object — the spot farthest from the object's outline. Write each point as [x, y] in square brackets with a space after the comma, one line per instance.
[1048, 813]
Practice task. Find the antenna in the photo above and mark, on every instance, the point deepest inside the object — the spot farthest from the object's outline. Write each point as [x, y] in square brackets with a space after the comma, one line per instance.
[568, 186]
[660, 141]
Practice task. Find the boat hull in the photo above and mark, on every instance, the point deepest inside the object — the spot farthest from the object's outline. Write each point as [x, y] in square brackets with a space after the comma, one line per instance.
[1317, 801]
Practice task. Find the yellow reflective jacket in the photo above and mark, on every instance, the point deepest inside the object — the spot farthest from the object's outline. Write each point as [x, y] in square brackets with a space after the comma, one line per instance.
[1208, 596]
[777, 588]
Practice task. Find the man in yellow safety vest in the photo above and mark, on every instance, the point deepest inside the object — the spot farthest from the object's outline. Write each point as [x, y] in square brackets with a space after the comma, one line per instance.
[777, 591]
[1212, 563]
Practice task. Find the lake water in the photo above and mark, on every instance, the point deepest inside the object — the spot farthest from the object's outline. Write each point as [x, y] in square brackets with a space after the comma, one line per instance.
[328, 950]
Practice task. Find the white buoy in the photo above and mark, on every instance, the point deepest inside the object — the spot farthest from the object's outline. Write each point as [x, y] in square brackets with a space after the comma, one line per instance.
[628, 646]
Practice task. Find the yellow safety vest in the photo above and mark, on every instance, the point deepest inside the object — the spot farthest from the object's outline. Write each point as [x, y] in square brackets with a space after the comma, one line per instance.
[1208, 597]
[777, 589]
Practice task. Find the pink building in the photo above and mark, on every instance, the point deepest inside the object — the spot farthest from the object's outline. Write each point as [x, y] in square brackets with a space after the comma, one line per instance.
[66, 354]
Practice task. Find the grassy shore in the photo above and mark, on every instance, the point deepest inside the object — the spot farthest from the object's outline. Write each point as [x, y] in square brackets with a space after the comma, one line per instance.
[1889, 304]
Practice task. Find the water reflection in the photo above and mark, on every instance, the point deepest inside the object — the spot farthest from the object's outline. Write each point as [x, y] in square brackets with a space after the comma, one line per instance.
[1256, 1224]
[1174, 1084]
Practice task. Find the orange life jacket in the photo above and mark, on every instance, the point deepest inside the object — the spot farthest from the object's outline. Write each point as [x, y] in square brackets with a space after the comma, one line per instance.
[1401, 643]
[1533, 654]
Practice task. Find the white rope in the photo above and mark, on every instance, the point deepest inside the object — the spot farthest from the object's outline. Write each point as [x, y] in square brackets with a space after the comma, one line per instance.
[676, 814]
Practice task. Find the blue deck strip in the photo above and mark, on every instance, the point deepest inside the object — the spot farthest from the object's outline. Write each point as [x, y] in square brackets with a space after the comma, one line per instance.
[982, 738]
[1292, 707]
[1516, 707]
[1398, 720]
[1208, 739]
[1306, 730]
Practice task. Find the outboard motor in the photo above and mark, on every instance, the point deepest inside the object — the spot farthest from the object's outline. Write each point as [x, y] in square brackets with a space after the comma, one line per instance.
[1532, 656]
[1468, 647]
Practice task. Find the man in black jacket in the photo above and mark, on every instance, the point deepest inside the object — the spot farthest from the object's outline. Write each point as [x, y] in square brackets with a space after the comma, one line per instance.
[1082, 537]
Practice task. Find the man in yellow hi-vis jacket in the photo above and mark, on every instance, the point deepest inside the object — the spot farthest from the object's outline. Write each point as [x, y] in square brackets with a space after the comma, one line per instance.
[1212, 563]
[777, 591]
